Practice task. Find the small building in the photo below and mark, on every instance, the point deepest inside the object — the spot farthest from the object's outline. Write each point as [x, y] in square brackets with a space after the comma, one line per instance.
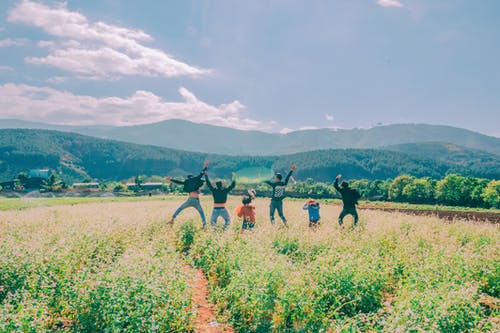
[10, 185]
[92, 186]
[150, 186]
[39, 173]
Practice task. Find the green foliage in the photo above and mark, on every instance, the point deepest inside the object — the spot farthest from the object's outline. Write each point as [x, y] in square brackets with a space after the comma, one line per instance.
[186, 236]
[455, 190]
[397, 187]
[75, 157]
[420, 190]
[70, 279]
[412, 275]
[491, 194]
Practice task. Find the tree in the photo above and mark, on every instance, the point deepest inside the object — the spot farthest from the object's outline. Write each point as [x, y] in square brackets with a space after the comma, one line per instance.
[23, 179]
[455, 190]
[397, 186]
[378, 189]
[477, 192]
[119, 187]
[420, 190]
[51, 184]
[491, 194]
[138, 180]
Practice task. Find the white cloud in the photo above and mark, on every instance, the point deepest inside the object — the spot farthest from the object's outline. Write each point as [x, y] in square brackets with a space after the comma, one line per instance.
[390, 3]
[7, 42]
[96, 49]
[6, 68]
[49, 105]
[2, 29]
[329, 117]
[286, 130]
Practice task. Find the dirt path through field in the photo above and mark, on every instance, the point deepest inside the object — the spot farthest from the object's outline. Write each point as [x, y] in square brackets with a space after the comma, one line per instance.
[206, 321]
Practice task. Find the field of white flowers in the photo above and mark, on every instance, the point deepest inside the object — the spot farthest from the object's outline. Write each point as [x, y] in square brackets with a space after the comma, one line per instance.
[116, 267]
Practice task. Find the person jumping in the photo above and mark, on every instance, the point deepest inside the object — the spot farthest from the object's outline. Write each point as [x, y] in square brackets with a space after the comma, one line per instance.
[220, 198]
[278, 194]
[247, 211]
[312, 207]
[350, 199]
[192, 186]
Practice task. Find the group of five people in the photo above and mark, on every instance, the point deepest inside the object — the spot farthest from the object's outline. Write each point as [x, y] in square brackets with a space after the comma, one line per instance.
[193, 184]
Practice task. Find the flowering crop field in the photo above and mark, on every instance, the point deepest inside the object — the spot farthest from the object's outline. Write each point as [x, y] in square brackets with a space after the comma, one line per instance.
[100, 267]
[116, 267]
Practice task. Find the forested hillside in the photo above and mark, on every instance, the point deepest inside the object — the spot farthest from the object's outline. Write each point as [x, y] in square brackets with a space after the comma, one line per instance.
[77, 157]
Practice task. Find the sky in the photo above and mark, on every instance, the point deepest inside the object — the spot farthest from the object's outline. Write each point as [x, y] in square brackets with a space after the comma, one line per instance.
[277, 65]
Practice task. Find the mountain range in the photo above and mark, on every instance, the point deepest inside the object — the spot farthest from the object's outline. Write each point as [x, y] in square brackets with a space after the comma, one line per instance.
[77, 157]
[189, 136]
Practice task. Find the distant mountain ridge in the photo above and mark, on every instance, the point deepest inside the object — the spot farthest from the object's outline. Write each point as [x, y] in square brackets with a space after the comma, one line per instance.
[77, 157]
[185, 135]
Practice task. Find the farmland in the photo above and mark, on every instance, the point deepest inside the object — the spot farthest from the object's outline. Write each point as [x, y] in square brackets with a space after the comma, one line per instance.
[96, 265]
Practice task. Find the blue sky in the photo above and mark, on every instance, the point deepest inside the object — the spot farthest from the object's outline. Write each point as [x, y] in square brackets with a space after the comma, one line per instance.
[271, 65]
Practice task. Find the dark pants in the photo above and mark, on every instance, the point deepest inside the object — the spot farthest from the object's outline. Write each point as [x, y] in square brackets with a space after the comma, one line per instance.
[348, 211]
[276, 205]
[313, 223]
[247, 225]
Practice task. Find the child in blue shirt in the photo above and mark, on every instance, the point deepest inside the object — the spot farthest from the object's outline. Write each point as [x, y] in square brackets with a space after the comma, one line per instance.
[312, 207]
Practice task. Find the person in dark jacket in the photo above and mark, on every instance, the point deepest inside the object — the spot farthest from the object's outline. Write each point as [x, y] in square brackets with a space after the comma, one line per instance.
[219, 192]
[278, 194]
[191, 185]
[350, 199]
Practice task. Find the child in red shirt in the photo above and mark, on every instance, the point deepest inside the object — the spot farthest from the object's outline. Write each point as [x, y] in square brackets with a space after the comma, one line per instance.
[247, 211]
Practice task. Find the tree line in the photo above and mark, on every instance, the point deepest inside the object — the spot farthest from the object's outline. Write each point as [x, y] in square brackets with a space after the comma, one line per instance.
[452, 190]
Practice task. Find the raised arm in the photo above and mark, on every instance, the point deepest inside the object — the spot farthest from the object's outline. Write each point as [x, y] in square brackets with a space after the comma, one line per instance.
[180, 182]
[233, 183]
[204, 170]
[209, 184]
[287, 178]
[336, 183]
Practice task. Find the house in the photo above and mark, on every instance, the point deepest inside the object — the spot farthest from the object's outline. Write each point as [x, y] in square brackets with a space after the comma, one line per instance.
[10, 185]
[150, 186]
[39, 173]
[86, 187]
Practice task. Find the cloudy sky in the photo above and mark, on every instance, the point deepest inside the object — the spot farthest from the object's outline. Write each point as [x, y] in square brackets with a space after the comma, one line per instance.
[273, 65]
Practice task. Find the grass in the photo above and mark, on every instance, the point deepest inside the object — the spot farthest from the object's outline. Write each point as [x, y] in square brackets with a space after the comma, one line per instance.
[24, 203]
[112, 265]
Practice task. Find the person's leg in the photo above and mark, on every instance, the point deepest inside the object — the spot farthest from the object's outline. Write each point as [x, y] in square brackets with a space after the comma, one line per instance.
[197, 205]
[354, 213]
[272, 208]
[225, 215]
[280, 212]
[184, 205]
[343, 213]
[215, 216]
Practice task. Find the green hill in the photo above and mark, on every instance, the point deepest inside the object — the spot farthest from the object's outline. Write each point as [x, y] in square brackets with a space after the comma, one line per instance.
[76, 157]
[180, 134]
[475, 161]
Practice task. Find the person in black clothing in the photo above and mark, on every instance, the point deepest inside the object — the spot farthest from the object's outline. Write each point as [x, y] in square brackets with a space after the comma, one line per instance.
[349, 198]
[278, 194]
[220, 193]
[192, 186]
